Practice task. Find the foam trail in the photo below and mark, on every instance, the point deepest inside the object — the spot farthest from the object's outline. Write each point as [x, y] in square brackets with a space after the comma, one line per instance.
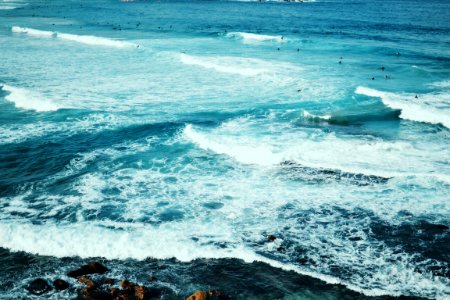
[25, 99]
[33, 32]
[252, 37]
[419, 110]
[224, 65]
[83, 39]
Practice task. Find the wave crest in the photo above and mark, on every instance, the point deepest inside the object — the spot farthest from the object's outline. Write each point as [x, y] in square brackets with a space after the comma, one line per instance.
[424, 109]
[247, 37]
[83, 39]
[26, 99]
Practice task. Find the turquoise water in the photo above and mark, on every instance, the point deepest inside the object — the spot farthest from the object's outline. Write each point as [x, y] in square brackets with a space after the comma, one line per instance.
[194, 129]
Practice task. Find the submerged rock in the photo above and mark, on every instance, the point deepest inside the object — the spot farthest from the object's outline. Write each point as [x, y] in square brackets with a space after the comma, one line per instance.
[38, 287]
[90, 268]
[60, 284]
[440, 227]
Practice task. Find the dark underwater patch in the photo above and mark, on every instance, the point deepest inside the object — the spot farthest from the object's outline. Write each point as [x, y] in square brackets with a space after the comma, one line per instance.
[294, 171]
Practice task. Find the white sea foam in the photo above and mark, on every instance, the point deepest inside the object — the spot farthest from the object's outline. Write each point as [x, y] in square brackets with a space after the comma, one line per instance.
[140, 241]
[33, 32]
[83, 39]
[441, 84]
[247, 37]
[309, 115]
[240, 66]
[11, 4]
[26, 99]
[427, 108]
[244, 154]
[348, 154]
[95, 40]
[141, 189]
[137, 241]
[276, 72]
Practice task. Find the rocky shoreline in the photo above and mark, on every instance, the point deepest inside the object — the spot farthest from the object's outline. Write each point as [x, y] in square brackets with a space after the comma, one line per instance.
[29, 276]
[105, 288]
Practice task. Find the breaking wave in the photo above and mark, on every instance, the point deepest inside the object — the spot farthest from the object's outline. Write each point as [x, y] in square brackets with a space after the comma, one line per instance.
[427, 108]
[247, 37]
[26, 99]
[83, 39]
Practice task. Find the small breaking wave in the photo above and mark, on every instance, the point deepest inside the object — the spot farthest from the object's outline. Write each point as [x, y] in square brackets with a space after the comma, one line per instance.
[247, 37]
[82, 39]
[428, 108]
[311, 116]
[95, 40]
[33, 32]
[26, 99]
[242, 153]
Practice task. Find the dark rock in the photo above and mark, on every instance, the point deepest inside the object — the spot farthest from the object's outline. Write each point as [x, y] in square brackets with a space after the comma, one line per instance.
[200, 295]
[141, 293]
[90, 284]
[209, 295]
[91, 268]
[126, 285]
[60, 284]
[95, 295]
[271, 237]
[113, 291]
[38, 287]
[108, 281]
[281, 249]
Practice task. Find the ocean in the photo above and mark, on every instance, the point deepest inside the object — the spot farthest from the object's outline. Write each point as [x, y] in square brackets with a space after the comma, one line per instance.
[172, 138]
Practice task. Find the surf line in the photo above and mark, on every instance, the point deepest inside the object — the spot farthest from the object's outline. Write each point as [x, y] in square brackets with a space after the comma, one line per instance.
[83, 39]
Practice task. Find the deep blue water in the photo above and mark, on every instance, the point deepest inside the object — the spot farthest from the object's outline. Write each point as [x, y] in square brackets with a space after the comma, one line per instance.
[193, 129]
